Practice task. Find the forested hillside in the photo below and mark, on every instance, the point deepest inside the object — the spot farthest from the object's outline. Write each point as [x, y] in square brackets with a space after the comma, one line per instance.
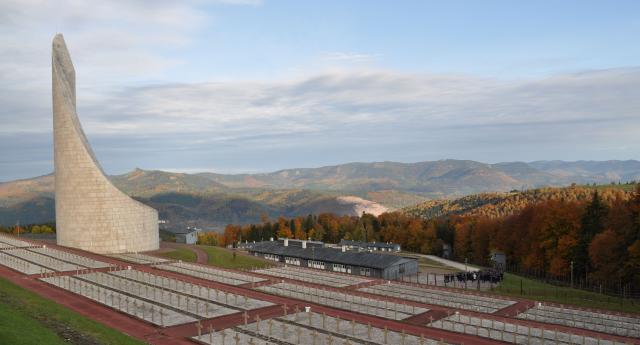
[494, 205]
[292, 192]
[596, 229]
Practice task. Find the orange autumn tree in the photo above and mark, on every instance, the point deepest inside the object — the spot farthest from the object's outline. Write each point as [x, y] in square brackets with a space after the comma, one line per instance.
[283, 228]
[539, 234]
[604, 251]
[230, 235]
[299, 231]
[209, 238]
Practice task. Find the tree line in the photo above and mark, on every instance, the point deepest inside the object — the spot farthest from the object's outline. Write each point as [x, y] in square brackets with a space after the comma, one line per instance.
[48, 228]
[599, 237]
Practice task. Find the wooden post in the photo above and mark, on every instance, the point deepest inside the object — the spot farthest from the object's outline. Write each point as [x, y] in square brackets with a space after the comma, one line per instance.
[237, 338]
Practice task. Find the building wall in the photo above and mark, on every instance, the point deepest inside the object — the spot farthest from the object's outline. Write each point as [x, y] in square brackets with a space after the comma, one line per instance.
[391, 273]
[190, 238]
[398, 271]
[91, 213]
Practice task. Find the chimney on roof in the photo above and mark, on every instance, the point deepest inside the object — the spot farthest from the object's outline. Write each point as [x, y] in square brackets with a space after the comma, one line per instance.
[271, 239]
[304, 244]
[286, 242]
[344, 249]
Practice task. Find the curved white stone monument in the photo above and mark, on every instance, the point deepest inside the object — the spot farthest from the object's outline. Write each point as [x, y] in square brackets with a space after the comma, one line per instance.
[91, 213]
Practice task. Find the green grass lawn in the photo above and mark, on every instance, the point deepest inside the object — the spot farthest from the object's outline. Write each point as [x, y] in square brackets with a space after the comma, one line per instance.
[26, 318]
[540, 291]
[223, 257]
[183, 254]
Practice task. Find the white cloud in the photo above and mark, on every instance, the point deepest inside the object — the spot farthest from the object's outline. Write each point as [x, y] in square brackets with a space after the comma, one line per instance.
[326, 101]
[353, 112]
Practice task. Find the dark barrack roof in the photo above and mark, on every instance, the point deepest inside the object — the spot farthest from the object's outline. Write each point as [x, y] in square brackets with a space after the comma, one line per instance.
[331, 255]
[369, 244]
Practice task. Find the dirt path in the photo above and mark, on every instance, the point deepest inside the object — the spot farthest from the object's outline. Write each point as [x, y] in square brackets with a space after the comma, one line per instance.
[201, 256]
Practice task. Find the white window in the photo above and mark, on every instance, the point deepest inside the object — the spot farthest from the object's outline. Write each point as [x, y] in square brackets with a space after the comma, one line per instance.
[365, 271]
[315, 264]
[341, 268]
[292, 261]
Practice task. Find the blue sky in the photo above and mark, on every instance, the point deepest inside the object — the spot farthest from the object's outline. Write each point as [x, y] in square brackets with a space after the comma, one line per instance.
[253, 86]
[492, 38]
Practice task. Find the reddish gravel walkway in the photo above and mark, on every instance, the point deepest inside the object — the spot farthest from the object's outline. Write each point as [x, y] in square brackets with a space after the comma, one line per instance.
[555, 327]
[90, 309]
[440, 310]
[426, 317]
[177, 334]
[226, 321]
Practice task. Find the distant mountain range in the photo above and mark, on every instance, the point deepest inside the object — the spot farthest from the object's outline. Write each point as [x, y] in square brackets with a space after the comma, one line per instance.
[209, 199]
[437, 179]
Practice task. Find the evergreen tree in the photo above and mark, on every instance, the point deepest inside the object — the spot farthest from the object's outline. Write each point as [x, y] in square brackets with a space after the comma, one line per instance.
[308, 223]
[592, 223]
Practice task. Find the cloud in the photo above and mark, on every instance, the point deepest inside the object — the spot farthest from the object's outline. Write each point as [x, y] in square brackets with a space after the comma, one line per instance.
[346, 116]
[323, 102]
[121, 49]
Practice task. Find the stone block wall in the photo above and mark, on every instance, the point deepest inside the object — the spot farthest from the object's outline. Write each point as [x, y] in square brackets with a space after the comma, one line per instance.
[91, 213]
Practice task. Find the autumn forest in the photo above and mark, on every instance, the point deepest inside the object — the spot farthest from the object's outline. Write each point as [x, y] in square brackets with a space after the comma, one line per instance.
[599, 234]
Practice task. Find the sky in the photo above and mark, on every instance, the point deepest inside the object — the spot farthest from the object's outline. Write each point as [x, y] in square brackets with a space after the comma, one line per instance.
[236, 86]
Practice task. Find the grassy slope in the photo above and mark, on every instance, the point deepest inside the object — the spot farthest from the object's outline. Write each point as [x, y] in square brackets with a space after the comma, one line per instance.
[539, 291]
[18, 328]
[26, 318]
[183, 254]
[222, 257]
